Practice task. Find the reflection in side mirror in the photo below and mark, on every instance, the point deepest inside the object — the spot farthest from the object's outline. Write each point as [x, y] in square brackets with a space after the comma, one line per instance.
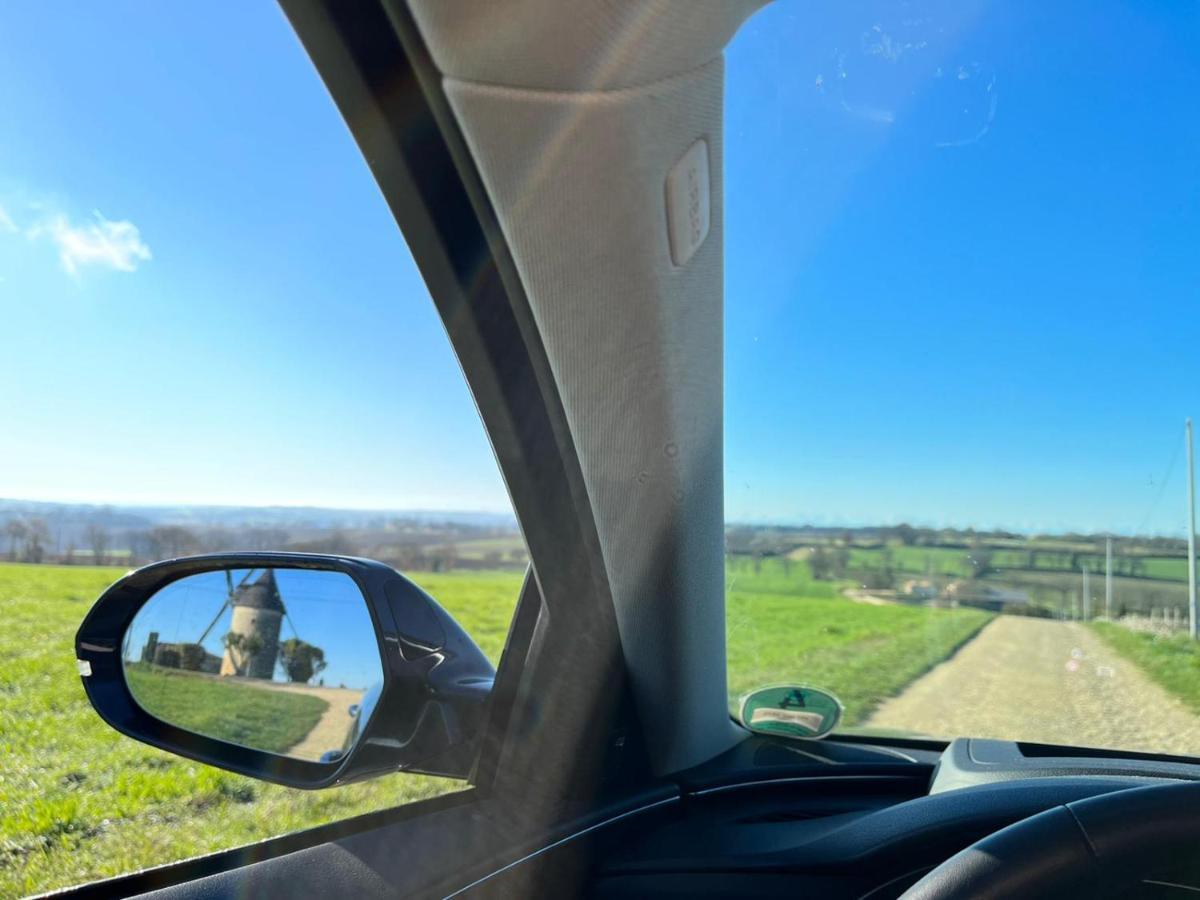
[791, 711]
[267, 658]
[303, 669]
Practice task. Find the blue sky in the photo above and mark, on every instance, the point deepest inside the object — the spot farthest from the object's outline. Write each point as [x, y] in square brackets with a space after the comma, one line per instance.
[961, 275]
[325, 608]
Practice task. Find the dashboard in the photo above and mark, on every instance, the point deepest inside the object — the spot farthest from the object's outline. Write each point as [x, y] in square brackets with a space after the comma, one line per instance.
[847, 819]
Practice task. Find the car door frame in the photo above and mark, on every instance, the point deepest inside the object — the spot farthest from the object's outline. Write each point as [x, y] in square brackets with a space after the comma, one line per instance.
[562, 753]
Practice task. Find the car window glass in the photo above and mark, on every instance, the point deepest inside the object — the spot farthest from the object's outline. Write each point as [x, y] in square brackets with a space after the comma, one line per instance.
[214, 338]
[961, 353]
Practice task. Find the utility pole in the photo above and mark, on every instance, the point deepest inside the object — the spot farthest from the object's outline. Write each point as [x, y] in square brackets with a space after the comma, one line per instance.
[1108, 578]
[1192, 611]
[1087, 597]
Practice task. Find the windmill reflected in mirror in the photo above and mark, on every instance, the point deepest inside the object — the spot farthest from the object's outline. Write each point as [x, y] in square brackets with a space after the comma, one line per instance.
[276, 659]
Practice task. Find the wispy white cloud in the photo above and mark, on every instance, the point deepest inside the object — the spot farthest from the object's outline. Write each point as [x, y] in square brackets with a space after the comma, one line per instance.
[103, 243]
[7, 225]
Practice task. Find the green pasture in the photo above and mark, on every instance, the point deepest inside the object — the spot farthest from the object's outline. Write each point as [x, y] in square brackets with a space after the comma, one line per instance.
[785, 627]
[79, 802]
[1173, 662]
[241, 714]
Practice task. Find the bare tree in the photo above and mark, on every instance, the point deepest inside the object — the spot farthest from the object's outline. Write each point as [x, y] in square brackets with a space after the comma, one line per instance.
[444, 558]
[167, 541]
[98, 540]
[37, 535]
[270, 539]
[16, 530]
[820, 563]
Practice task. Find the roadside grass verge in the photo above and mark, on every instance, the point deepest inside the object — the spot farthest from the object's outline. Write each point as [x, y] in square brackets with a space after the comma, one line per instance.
[789, 628]
[242, 714]
[1173, 662]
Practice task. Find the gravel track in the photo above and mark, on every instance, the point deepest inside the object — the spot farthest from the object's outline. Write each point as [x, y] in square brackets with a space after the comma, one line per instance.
[1043, 681]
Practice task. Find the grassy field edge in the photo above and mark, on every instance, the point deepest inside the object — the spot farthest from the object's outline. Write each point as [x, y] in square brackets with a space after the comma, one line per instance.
[1172, 662]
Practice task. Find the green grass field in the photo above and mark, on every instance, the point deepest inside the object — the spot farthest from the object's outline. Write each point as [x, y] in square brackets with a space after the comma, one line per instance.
[263, 719]
[1173, 662]
[783, 626]
[80, 802]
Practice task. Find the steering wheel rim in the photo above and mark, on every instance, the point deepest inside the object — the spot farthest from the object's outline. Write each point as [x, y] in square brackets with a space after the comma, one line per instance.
[1088, 847]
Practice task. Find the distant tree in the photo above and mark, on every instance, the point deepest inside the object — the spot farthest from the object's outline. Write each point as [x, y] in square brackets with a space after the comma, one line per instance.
[167, 656]
[98, 541]
[335, 542]
[191, 657]
[840, 557]
[242, 647]
[139, 545]
[887, 568]
[15, 529]
[276, 539]
[450, 557]
[820, 563]
[37, 535]
[906, 534]
[218, 539]
[168, 541]
[300, 660]
[979, 561]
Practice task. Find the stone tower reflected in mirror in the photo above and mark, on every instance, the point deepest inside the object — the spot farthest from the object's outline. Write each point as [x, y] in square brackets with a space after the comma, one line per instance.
[252, 644]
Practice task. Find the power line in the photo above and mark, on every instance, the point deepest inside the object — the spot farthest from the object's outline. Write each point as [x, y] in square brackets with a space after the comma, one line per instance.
[1162, 488]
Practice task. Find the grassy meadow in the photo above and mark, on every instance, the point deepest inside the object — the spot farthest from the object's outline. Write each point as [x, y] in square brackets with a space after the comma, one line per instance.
[1172, 661]
[264, 719]
[80, 802]
[784, 626]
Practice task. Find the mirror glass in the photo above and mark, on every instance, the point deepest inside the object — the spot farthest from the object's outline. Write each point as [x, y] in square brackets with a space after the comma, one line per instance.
[275, 659]
[793, 711]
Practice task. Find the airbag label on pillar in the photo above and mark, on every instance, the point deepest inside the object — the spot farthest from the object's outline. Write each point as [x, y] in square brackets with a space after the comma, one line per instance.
[688, 203]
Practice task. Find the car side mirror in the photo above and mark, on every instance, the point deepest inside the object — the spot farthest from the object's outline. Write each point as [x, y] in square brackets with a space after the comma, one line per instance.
[301, 669]
[791, 711]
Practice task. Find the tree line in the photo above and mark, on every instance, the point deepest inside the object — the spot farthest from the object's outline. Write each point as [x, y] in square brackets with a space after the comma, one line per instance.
[30, 539]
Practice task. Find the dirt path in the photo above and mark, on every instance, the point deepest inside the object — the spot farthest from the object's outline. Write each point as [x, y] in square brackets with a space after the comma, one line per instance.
[331, 729]
[860, 596]
[1043, 681]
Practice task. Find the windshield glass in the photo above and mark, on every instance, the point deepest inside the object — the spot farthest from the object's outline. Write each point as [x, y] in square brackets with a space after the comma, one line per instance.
[960, 336]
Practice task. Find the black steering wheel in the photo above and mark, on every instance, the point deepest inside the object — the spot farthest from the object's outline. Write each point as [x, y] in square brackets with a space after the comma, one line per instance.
[1101, 846]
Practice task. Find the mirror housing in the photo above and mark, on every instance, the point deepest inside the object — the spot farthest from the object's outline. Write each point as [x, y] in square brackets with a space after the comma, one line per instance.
[797, 711]
[429, 713]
